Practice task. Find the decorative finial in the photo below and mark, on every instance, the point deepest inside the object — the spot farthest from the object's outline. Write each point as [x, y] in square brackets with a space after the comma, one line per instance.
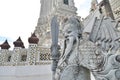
[18, 43]
[94, 4]
[5, 45]
[33, 39]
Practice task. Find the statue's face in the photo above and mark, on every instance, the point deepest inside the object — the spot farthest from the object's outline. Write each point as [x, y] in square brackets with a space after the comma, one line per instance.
[69, 29]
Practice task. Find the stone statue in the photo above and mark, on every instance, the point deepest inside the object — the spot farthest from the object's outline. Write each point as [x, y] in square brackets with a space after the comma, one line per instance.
[68, 66]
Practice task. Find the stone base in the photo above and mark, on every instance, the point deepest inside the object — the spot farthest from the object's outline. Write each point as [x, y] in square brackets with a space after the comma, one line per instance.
[42, 72]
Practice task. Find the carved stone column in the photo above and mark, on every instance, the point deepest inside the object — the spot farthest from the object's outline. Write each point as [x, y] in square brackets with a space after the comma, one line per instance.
[3, 56]
[32, 50]
[18, 45]
[32, 54]
[4, 52]
[16, 56]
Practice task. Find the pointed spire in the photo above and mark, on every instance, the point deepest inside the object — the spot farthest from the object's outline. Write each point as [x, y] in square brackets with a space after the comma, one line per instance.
[18, 43]
[5, 45]
[94, 4]
[108, 9]
[33, 39]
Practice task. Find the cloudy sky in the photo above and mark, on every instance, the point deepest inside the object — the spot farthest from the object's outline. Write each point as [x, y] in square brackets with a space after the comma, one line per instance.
[19, 18]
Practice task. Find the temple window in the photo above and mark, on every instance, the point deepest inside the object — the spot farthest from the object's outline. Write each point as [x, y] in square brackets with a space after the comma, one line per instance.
[66, 2]
[23, 58]
[9, 58]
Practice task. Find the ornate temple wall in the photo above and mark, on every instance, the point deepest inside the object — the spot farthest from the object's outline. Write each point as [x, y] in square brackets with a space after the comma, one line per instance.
[115, 4]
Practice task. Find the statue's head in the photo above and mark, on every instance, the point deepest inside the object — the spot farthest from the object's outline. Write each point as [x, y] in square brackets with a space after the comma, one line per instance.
[72, 27]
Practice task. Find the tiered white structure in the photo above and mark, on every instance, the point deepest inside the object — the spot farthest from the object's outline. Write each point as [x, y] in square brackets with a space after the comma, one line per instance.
[49, 8]
[20, 56]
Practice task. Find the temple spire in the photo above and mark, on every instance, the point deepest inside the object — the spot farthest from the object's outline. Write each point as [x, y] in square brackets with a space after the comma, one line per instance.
[94, 4]
[46, 7]
[52, 6]
[108, 9]
[62, 8]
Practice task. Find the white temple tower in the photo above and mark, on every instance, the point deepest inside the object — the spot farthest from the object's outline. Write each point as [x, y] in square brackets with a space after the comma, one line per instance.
[49, 8]
[94, 4]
